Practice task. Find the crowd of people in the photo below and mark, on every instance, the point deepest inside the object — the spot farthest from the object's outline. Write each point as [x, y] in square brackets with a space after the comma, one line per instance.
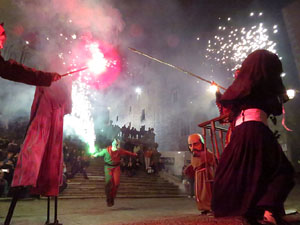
[126, 133]
[148, 160]
[8, 158]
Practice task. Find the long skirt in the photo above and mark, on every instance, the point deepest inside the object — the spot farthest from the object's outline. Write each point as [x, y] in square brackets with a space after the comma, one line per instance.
[253, 173]
[203, 189]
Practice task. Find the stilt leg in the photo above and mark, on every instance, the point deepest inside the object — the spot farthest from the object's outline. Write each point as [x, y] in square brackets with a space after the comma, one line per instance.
[55, 210]
[48, 211]
[12, 206]
[55, 213]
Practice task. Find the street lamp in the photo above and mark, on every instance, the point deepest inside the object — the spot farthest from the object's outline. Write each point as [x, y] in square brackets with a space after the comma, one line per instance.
[138, 90]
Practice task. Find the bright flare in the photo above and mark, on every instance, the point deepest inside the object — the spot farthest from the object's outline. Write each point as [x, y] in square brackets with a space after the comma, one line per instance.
[97, 64]
[213, 88]
[291, 93]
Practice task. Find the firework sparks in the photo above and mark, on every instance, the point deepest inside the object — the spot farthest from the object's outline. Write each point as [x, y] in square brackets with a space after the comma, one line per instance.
[99, 67]
[231, 45]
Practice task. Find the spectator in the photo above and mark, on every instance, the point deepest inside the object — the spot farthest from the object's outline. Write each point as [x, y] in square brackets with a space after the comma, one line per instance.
[147, 155]
[137, 164]
[123, 164]
[155, 160]
[64, 179]
[3, 184]
[130, 168]
[79, 166]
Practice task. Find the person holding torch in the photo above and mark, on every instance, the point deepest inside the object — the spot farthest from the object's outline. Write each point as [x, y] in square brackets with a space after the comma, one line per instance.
[112, 156]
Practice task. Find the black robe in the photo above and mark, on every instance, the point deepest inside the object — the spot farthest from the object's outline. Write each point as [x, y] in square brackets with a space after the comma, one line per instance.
[253, 173]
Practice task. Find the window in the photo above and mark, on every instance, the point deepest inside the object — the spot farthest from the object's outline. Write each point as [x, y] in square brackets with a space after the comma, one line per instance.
[129, 109]
[143, 116]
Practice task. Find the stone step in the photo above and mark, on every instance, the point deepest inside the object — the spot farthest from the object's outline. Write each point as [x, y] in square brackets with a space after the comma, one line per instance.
[142, 185]
[129, 186]
[125, 184]
[122, 196]
[122, 180]
[120, 191]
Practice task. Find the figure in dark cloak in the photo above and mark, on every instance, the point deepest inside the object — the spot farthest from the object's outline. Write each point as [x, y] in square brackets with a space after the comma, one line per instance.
[254, 177]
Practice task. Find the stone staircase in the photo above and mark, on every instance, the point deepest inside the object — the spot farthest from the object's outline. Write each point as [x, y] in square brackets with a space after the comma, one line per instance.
[141, 185]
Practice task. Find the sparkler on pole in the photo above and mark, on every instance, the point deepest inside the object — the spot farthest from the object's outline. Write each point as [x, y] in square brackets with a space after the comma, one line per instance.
[176, 67]
[75, 71]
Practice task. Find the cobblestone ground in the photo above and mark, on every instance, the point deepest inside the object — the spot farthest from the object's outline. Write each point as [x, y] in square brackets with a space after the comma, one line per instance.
[152, 211]
[193, 220]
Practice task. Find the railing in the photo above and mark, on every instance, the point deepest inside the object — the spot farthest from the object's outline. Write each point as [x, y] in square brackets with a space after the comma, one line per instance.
[217, 139]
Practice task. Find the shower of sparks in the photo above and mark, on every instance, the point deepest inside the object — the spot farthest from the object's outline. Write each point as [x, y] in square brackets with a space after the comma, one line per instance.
[81, 120]
[231, 45]
[103, 68]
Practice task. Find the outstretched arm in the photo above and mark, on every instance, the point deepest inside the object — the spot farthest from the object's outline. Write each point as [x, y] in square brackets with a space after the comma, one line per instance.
[11, 70]
[125, 152]
[100, 153]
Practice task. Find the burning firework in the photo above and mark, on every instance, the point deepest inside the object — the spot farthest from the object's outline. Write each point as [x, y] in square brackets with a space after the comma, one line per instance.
[99, 66]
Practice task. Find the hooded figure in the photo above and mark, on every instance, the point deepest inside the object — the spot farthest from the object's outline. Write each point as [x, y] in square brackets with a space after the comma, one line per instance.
[254, 177]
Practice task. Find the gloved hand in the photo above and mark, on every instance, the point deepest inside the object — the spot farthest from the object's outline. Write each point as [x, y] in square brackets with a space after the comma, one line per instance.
[56, 77]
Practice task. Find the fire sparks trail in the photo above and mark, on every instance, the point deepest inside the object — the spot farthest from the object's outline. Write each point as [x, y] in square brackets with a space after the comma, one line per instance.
[231, 45]
[81, 120]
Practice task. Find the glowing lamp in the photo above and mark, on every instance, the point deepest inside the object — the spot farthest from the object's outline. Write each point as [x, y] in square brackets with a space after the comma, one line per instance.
[291, 93]
[138, 90]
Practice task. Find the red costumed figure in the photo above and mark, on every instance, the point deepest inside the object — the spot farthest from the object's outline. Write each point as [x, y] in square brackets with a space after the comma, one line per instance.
[111, 156]
[40, 162]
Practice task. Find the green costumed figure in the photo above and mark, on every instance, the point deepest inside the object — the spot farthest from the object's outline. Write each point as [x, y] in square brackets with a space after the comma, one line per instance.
[111, 156]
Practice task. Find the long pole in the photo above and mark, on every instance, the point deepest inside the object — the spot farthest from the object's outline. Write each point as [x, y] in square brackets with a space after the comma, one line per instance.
[175, 67]
[74, 71]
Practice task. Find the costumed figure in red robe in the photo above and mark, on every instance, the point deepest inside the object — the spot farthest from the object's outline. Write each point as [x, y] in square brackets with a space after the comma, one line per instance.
[112, 156]
[254, 177]
[201, 167]
[40, 161]
[11, 70]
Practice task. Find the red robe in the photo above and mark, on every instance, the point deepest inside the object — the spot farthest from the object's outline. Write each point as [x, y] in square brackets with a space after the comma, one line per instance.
[40, 163]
